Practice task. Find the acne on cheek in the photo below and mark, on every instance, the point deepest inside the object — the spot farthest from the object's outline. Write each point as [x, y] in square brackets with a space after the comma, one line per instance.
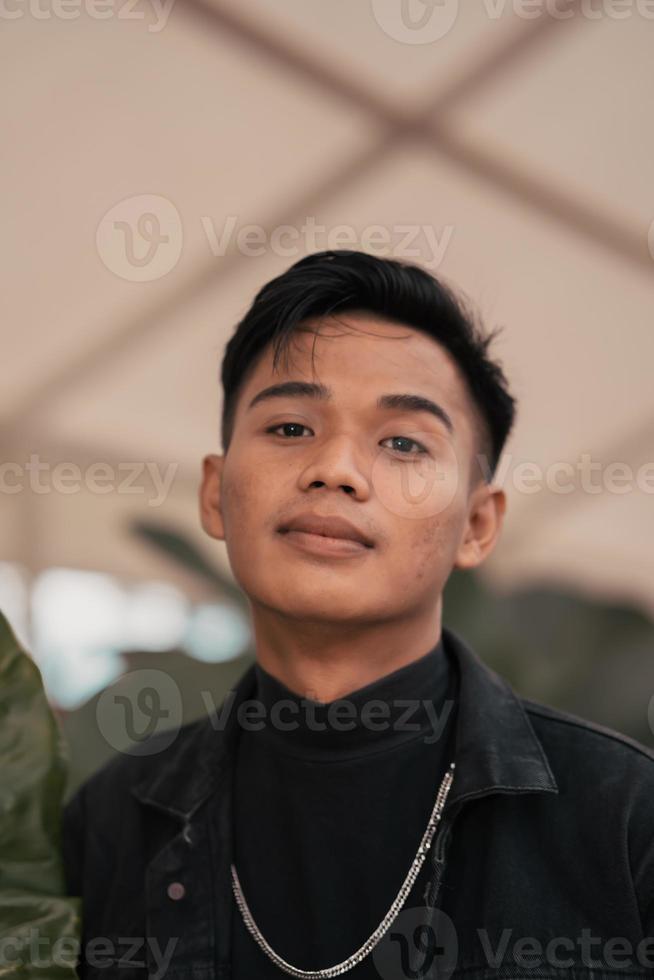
[247, 498]
[433, 548]
[235, 499]
[434, 539]
[426, 555]
[434, 535]
[425, 539]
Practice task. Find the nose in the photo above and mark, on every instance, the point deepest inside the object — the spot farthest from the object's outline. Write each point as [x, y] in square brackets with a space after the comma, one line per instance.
[336, 465]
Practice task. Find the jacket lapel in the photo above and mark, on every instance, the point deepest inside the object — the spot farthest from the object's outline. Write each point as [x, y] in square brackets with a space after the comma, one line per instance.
[496, 748]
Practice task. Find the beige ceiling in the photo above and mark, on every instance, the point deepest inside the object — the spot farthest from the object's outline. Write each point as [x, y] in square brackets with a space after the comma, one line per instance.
[521, 146]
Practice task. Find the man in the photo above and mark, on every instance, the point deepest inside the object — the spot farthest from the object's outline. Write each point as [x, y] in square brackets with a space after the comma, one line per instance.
[372, 800]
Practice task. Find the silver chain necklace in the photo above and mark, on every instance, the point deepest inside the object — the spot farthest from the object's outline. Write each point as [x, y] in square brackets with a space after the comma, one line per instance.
[384, 925]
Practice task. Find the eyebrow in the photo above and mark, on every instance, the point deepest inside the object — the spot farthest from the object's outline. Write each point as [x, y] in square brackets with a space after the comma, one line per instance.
[400, 402]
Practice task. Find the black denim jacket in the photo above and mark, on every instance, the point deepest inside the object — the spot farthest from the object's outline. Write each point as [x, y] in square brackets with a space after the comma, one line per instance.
[543, 863]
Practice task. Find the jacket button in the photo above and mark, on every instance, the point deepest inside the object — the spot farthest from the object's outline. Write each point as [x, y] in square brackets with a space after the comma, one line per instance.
[176, 890]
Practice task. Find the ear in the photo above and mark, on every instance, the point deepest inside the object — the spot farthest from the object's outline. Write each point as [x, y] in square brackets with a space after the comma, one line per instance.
[483, 526]
[210, 496]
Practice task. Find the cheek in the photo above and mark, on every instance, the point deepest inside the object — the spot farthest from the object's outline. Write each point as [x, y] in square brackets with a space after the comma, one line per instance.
[430, 542]
[430, 547]
[423, 490]
[243, 499]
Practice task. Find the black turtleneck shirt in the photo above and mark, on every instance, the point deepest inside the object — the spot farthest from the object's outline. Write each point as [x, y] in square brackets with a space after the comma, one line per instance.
[328, 814]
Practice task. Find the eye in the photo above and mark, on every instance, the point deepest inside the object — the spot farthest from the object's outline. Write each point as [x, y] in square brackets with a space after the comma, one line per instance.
[405, 439]
[286, 425]
[421, 450]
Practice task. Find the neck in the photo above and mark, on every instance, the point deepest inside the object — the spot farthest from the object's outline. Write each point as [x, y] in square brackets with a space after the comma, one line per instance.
[325, 661]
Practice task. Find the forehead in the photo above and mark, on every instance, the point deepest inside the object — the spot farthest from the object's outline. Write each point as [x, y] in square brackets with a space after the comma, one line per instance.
[358, 354]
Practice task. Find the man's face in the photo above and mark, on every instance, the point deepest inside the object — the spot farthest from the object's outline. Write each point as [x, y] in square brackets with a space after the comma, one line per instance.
[402, 477]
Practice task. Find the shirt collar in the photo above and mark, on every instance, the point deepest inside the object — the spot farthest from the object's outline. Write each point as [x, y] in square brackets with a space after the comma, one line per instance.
[401, 706]
[497, 750]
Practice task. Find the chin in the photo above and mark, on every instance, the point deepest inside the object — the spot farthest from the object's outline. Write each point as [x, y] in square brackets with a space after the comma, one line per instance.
[329, 606]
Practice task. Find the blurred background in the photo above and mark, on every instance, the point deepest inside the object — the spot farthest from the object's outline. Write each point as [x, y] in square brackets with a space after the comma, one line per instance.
[162, 159]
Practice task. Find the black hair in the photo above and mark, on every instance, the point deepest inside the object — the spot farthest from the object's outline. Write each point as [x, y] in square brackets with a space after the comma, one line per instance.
[341, 281]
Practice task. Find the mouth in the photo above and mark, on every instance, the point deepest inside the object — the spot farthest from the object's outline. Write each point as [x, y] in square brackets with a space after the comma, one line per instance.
[323, 544]
[331, 527]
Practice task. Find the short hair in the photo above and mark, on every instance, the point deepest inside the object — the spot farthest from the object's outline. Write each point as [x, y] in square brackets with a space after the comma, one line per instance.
[347, 281]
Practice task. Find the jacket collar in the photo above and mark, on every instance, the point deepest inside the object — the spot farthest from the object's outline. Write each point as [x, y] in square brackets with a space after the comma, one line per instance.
[496, 748]
[192, 768]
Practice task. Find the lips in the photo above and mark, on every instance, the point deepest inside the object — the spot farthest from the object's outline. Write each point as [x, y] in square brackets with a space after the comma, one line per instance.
[330, 527]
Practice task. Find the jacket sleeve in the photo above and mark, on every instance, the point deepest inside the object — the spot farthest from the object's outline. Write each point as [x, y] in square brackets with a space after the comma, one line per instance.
[33, 764]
